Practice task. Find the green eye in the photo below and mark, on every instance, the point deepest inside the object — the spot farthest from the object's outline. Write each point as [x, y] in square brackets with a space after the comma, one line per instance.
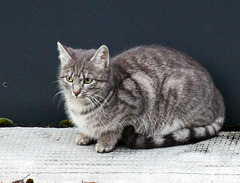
[69, 79]
[88, 80]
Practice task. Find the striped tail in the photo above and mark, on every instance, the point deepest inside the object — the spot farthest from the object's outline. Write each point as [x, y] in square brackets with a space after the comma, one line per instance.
[179, 137]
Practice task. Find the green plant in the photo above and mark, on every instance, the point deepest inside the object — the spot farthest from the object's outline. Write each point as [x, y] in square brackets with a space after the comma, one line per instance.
[5, 122]
[65, 124]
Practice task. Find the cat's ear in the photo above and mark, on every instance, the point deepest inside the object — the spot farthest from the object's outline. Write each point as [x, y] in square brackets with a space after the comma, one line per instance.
[64, 56]
[101, 57]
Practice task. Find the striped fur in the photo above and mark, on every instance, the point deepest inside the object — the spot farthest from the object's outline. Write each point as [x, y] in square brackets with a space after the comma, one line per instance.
[148, 96]
[179, 137]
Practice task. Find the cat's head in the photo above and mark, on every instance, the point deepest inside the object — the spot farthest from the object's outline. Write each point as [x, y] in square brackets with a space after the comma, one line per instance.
[84, 74]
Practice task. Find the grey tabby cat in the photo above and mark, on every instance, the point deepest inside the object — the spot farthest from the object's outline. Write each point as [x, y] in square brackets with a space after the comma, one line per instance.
[147, 97]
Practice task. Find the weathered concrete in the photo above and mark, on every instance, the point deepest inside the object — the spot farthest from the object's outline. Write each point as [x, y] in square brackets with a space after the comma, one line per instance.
[50, 155]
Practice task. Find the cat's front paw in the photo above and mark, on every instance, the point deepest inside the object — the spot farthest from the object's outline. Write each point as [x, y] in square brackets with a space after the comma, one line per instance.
[102, 147]
[82, 139]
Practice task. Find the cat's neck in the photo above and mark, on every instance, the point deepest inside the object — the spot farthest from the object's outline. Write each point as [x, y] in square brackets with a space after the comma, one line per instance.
[118, 74]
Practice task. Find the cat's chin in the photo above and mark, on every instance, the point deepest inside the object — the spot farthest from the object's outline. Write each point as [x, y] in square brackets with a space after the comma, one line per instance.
[81, 100]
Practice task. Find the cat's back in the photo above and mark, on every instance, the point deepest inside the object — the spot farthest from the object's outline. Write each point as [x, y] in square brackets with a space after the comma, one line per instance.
[155, 58]
[154, 69]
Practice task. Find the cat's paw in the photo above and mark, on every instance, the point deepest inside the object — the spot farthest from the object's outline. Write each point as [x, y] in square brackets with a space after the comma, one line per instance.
[82, 140]
[103, 147]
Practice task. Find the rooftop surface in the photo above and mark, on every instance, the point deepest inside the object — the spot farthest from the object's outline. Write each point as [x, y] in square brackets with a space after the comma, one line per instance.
[50, 155]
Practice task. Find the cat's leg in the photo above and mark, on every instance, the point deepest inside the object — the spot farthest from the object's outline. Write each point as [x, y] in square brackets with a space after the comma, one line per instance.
[107, 141]
[82, 139]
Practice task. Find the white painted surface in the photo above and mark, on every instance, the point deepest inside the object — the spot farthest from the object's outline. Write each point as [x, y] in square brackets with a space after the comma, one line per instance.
[51, 156]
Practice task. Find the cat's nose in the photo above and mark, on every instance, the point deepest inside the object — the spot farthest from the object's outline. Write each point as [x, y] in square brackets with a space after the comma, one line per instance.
[76, 93]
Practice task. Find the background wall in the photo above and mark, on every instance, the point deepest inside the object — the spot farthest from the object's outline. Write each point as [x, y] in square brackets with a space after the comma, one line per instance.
[207, 30]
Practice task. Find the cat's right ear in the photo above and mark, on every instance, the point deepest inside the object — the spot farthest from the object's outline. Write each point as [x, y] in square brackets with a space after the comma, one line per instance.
[64, 56]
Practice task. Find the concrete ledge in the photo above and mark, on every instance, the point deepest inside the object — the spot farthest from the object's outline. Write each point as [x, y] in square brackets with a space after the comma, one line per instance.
[50, 155]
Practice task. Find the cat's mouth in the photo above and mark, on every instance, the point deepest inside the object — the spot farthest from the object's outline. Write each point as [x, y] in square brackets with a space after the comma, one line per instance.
[80, 99]
[80, 96]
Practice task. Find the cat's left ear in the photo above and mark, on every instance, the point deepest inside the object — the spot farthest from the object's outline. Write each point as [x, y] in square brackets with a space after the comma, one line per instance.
[101, 57]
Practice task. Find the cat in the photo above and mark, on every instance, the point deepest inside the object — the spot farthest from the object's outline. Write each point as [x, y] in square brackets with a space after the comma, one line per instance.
[146, 97]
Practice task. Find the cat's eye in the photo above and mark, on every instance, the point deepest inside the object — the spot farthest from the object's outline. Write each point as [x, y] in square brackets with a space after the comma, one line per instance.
[69, 79]
[88, 80]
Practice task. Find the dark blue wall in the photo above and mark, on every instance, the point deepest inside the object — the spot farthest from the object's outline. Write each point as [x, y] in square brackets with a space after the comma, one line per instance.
[207, 30]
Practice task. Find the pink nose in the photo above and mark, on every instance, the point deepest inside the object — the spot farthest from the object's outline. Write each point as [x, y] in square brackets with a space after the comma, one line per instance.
[76, 93]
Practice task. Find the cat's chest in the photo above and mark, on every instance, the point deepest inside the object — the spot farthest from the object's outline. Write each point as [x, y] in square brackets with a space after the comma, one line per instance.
[86, 123]
[75, 112]
[78, 118]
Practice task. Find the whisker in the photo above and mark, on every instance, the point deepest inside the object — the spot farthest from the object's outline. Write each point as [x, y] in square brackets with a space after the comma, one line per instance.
[96, 102]
[60, 97]
[104, 100]
[54, 82]
[60, 101]
[58, 93]
[90, 104]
